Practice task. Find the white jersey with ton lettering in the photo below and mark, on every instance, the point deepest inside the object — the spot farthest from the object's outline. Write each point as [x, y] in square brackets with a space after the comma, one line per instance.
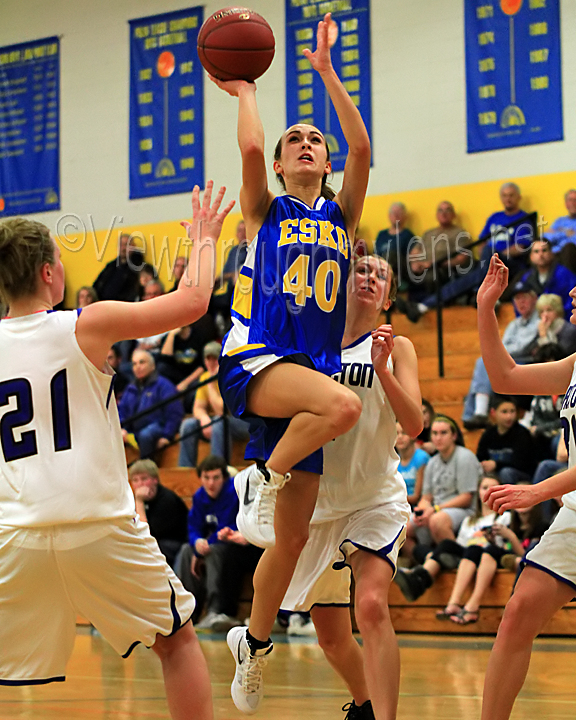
[568, 417]
[361, 466]
[61, 451]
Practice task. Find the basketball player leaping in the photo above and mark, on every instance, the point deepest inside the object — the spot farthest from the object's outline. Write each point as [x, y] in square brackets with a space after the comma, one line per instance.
[70, 540]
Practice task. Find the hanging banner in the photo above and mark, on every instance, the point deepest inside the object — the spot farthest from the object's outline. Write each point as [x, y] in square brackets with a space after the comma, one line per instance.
[30, 127]
[513, 73]
[306, 98]
[166, 104]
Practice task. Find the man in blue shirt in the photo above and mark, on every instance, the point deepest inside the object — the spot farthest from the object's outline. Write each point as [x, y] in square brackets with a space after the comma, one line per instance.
[213, 563]
[549, 276]
[562, 234]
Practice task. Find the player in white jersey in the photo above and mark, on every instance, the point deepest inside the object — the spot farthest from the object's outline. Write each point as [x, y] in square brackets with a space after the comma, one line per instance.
[70, 539]
[360, 518]
[548, 579]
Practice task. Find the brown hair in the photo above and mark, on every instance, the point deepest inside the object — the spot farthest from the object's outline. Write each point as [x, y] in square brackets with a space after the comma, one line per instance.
[25, 246]
[213, 462]
[326, 191]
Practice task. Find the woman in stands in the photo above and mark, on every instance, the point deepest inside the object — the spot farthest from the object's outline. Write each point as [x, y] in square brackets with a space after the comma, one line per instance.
[288, 314]
[63, 480]
[548, 580]
[362, 509]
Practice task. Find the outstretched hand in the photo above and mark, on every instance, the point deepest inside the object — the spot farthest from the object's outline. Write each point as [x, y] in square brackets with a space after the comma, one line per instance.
[508, 497]
[206, 220]
[320, 58]
[494, 284]
[232, 87]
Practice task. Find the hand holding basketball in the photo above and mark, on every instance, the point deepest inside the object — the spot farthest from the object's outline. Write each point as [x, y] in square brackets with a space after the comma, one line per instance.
[320, 58]
[232, 87]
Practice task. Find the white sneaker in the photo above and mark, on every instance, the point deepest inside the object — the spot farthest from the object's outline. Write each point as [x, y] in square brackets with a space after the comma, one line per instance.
[297, 625]
[247, 686]
[207, 621]
[257, 495]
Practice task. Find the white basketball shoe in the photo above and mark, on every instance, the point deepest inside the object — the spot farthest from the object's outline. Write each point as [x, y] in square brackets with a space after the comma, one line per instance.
[247, 686]
[257, 491]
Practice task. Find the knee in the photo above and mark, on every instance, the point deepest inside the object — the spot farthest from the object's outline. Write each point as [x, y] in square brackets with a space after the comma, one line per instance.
[167, 647]
[330, 643]
[371, 610]
[441, 525]
[345, 412]
[294, 543]
[516, 627]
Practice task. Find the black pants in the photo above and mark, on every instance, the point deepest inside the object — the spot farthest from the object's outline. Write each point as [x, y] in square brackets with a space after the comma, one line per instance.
[472, 552]
[221, 575]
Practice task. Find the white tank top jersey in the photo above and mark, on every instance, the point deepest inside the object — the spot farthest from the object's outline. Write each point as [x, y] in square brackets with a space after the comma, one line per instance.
[61, 451]
[568, 417]
[361, 466]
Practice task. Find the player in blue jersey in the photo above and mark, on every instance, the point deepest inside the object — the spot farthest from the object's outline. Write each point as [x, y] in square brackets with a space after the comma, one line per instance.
[548, 579]
[68, 523]
[288, 315]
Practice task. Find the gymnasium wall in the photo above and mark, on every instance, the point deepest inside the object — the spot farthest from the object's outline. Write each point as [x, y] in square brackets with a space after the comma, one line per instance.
[419, 133]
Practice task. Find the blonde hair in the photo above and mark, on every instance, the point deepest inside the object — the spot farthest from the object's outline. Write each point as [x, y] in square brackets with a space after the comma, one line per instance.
[144, 467]
[552, 301]
[25, 246]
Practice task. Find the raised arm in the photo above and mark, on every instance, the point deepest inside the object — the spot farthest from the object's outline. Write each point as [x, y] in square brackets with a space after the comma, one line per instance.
[401, 387]
[357, 168]
[505, 375]
[102, 324]
[255, 197]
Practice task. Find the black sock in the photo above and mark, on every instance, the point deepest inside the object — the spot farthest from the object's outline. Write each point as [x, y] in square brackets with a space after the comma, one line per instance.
[255, 644]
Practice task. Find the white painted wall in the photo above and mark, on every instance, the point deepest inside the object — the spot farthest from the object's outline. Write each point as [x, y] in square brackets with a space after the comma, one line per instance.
[419, 132]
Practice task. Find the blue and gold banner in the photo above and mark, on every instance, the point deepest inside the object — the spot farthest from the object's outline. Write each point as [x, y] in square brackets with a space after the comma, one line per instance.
[513, 73]
[166, 104]
[306, 98]
[30, 127]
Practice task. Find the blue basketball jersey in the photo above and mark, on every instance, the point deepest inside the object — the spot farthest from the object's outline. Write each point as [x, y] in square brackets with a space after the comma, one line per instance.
[290, 296]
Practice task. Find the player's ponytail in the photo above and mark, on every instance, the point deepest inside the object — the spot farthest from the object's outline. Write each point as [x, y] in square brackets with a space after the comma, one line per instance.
[25, 245]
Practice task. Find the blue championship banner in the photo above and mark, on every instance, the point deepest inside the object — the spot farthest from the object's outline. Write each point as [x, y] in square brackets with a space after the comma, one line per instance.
[166, 104]
[306, 98]
[513, 73]
[30, 127]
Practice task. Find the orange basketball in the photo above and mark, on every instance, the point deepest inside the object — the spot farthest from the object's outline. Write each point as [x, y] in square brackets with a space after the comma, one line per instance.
[510, 7]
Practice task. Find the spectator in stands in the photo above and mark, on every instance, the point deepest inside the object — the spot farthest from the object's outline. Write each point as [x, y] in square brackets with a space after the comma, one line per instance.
[121, 380]
[236, 256]
[518, 338]
[180, 265]
[392, 243]
[180, 358]
[450, 482]
[448, 553]
[147, 274]
[506, 448]
[543, 417]
[548, 276]
[86, 295]
[152, 289]
[528, 524]
[213, 563]
[423, 440]
[157, 428]
[413, 460]
[119, 279]
[511, 244]
[160, 507]
[208, 406]
[562, 234]
[553, 329]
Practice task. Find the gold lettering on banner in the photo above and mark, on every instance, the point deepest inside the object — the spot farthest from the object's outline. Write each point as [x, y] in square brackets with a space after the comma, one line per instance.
[487, 91]
[486, 38]
[187, 163]
[145, 121]
[145, 168]
[540, 28]
[487, 118]
[487, 64]
[144, 98]
[537, 4]
[484, 11]
[539, 56]
[540, 83]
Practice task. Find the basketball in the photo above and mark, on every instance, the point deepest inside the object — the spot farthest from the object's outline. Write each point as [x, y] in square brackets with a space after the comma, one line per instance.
[236, 44]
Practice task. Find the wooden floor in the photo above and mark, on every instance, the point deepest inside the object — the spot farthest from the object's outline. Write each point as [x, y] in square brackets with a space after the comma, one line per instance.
[441, 680]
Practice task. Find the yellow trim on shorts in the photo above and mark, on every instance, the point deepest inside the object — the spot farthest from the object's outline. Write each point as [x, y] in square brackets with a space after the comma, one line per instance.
[243, 348]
